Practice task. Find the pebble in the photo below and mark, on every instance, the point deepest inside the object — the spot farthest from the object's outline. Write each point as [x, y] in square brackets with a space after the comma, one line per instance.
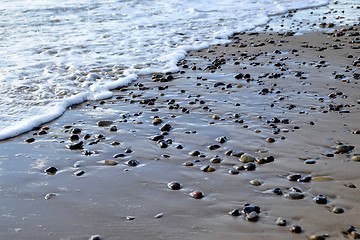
[294, 195]
[76, 146]
[159, 215]
[188, 164]
[166, 128]
[281, 222]
[174, 185]
[95, 237]
[113, 129]
[132, 163]
[207, 168]
[294, 177]
[246, 158]
[104, 123]
[250, 166]
[234, 171]
[194, 153]
[310, 161]
[119, 155]
[130, 218]
[320, 199]
[109, 162]
[222, 139]
[256, 182]
[317, 237]
[157, 121]
[214, 147]
[252, 217]
[356, 158]
[270, 140]
[30, 140]
[235, 212]
[196, 195]
[50, 195]
[248, 208]
[295, 229]
[338, 210]
[344, 148]
[51, 170]
[79, 173]
[215, 159]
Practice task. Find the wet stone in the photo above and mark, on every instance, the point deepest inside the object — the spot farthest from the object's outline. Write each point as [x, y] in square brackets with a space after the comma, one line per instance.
[295, 229]
[104, 123]
[281, 222]
[76, 146]
[294, 177]
[305, 179]
[277, 191]
[222, 139]
[294, 195]
[248, 208]
[162, 144]
[234, 171]
[235, 212]
[49, 196]
[95, 237]
[215, 159]
[246, 158]
[250, 166]
[132, 163]
[320, 199]
[159, 215]
[256, 182]
[194, 153]
[196, 195]
[113, 129]
[252, 217]
[207, 168]
[174, 185]
[355, 158]
[343, 149]
[310, 161]
[317, 237]
[30, 140]
[51, 170]
[166, 127]
[214, 147]
[79, 173]
[119, 155]
[109, 162]
[338, 210]
[188, 164]
[76, 131]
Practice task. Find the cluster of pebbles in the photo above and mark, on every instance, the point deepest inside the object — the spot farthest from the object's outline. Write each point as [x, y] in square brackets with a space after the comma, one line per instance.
[229, 113]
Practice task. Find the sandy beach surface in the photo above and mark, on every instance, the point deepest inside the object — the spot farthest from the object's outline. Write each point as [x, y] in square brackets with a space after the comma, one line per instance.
[257, 139]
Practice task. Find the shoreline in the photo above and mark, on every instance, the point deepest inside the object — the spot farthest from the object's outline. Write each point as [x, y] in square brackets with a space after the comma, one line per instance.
[293, 98]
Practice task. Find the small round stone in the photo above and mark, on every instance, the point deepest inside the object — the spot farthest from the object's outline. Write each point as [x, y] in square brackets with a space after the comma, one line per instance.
[113, 129]
[252, 217]
[104, 123]
[317, 237]
[234, 171]
[222, 139]
[194, 153]
[246, 158]
[50, 195]
[295, 229]
[256, 182]
[294, 195]
[174, 185]
[338, 210]
[343, 148]
[30, 140]
[250, 166]
[320, 199]
[157, 121]
[310, 161]
[188, 164]
[356, 158]
[270, 140]
[51, 170]
[196, 195]
[215, 159]
[281, 221]
[166, 127]
[248, 208]
[132, 163]
[207, 168]
[293, 177]
[235, 212]
[109, 162]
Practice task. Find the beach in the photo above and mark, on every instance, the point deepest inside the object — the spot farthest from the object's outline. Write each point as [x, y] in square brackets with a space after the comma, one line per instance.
[255, 139]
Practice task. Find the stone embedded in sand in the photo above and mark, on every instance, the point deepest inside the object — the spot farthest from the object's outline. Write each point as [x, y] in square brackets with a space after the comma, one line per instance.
[320, 199]
[250, 166]
[74, 137]
[213, 147]
[256, 182]
[235, 212]
[234, 171]
[30, 140]
[294, 195]
[215, 117]
[95, 237]
[344, 148]
[157, 121]
[305, 179]
[130, 218]
[295, 229]
[221, 139]
[196, 195]
[166, 127]
[194, 153]
[317, 237]
[294, 177]
[119, 155]
[109, 162]
[215, 159]
[51, 170]
[252, 217]
[356, 158]
[281, 222]
[246, 158]
[76, 146]
[104, 123]
[50, 195]
[132, 163]
[76, 131]
[159, 215]
[174, 185]
[248, 208]
[79, 173]
[270, 140]
[113, 128]
[338, 210]
[162, 144]
[188, 164]
[207, 168]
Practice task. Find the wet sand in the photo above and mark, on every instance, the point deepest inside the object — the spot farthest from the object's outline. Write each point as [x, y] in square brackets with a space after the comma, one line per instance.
[293, 98]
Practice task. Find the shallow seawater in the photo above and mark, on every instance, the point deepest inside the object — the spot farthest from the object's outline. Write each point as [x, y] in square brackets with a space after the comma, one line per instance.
[57, 54]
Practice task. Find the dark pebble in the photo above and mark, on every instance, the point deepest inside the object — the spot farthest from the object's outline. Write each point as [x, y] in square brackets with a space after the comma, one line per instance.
[281, 222]
[277, 191]
[320, 199]
[76, 146]
[119, 155]
[207, 168]
[250, 166]
[295, 229]
[79, 173]
[51, 170]
[166, 127]
[174, 185]
[196, 195]
[132, 163]
[235, 212]
[30, 140]
[76, 131]
[294, 177]
[215, 159]
[234, 171]
[95, 237]
[248, 208]
[222, 139]
[214, 147]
